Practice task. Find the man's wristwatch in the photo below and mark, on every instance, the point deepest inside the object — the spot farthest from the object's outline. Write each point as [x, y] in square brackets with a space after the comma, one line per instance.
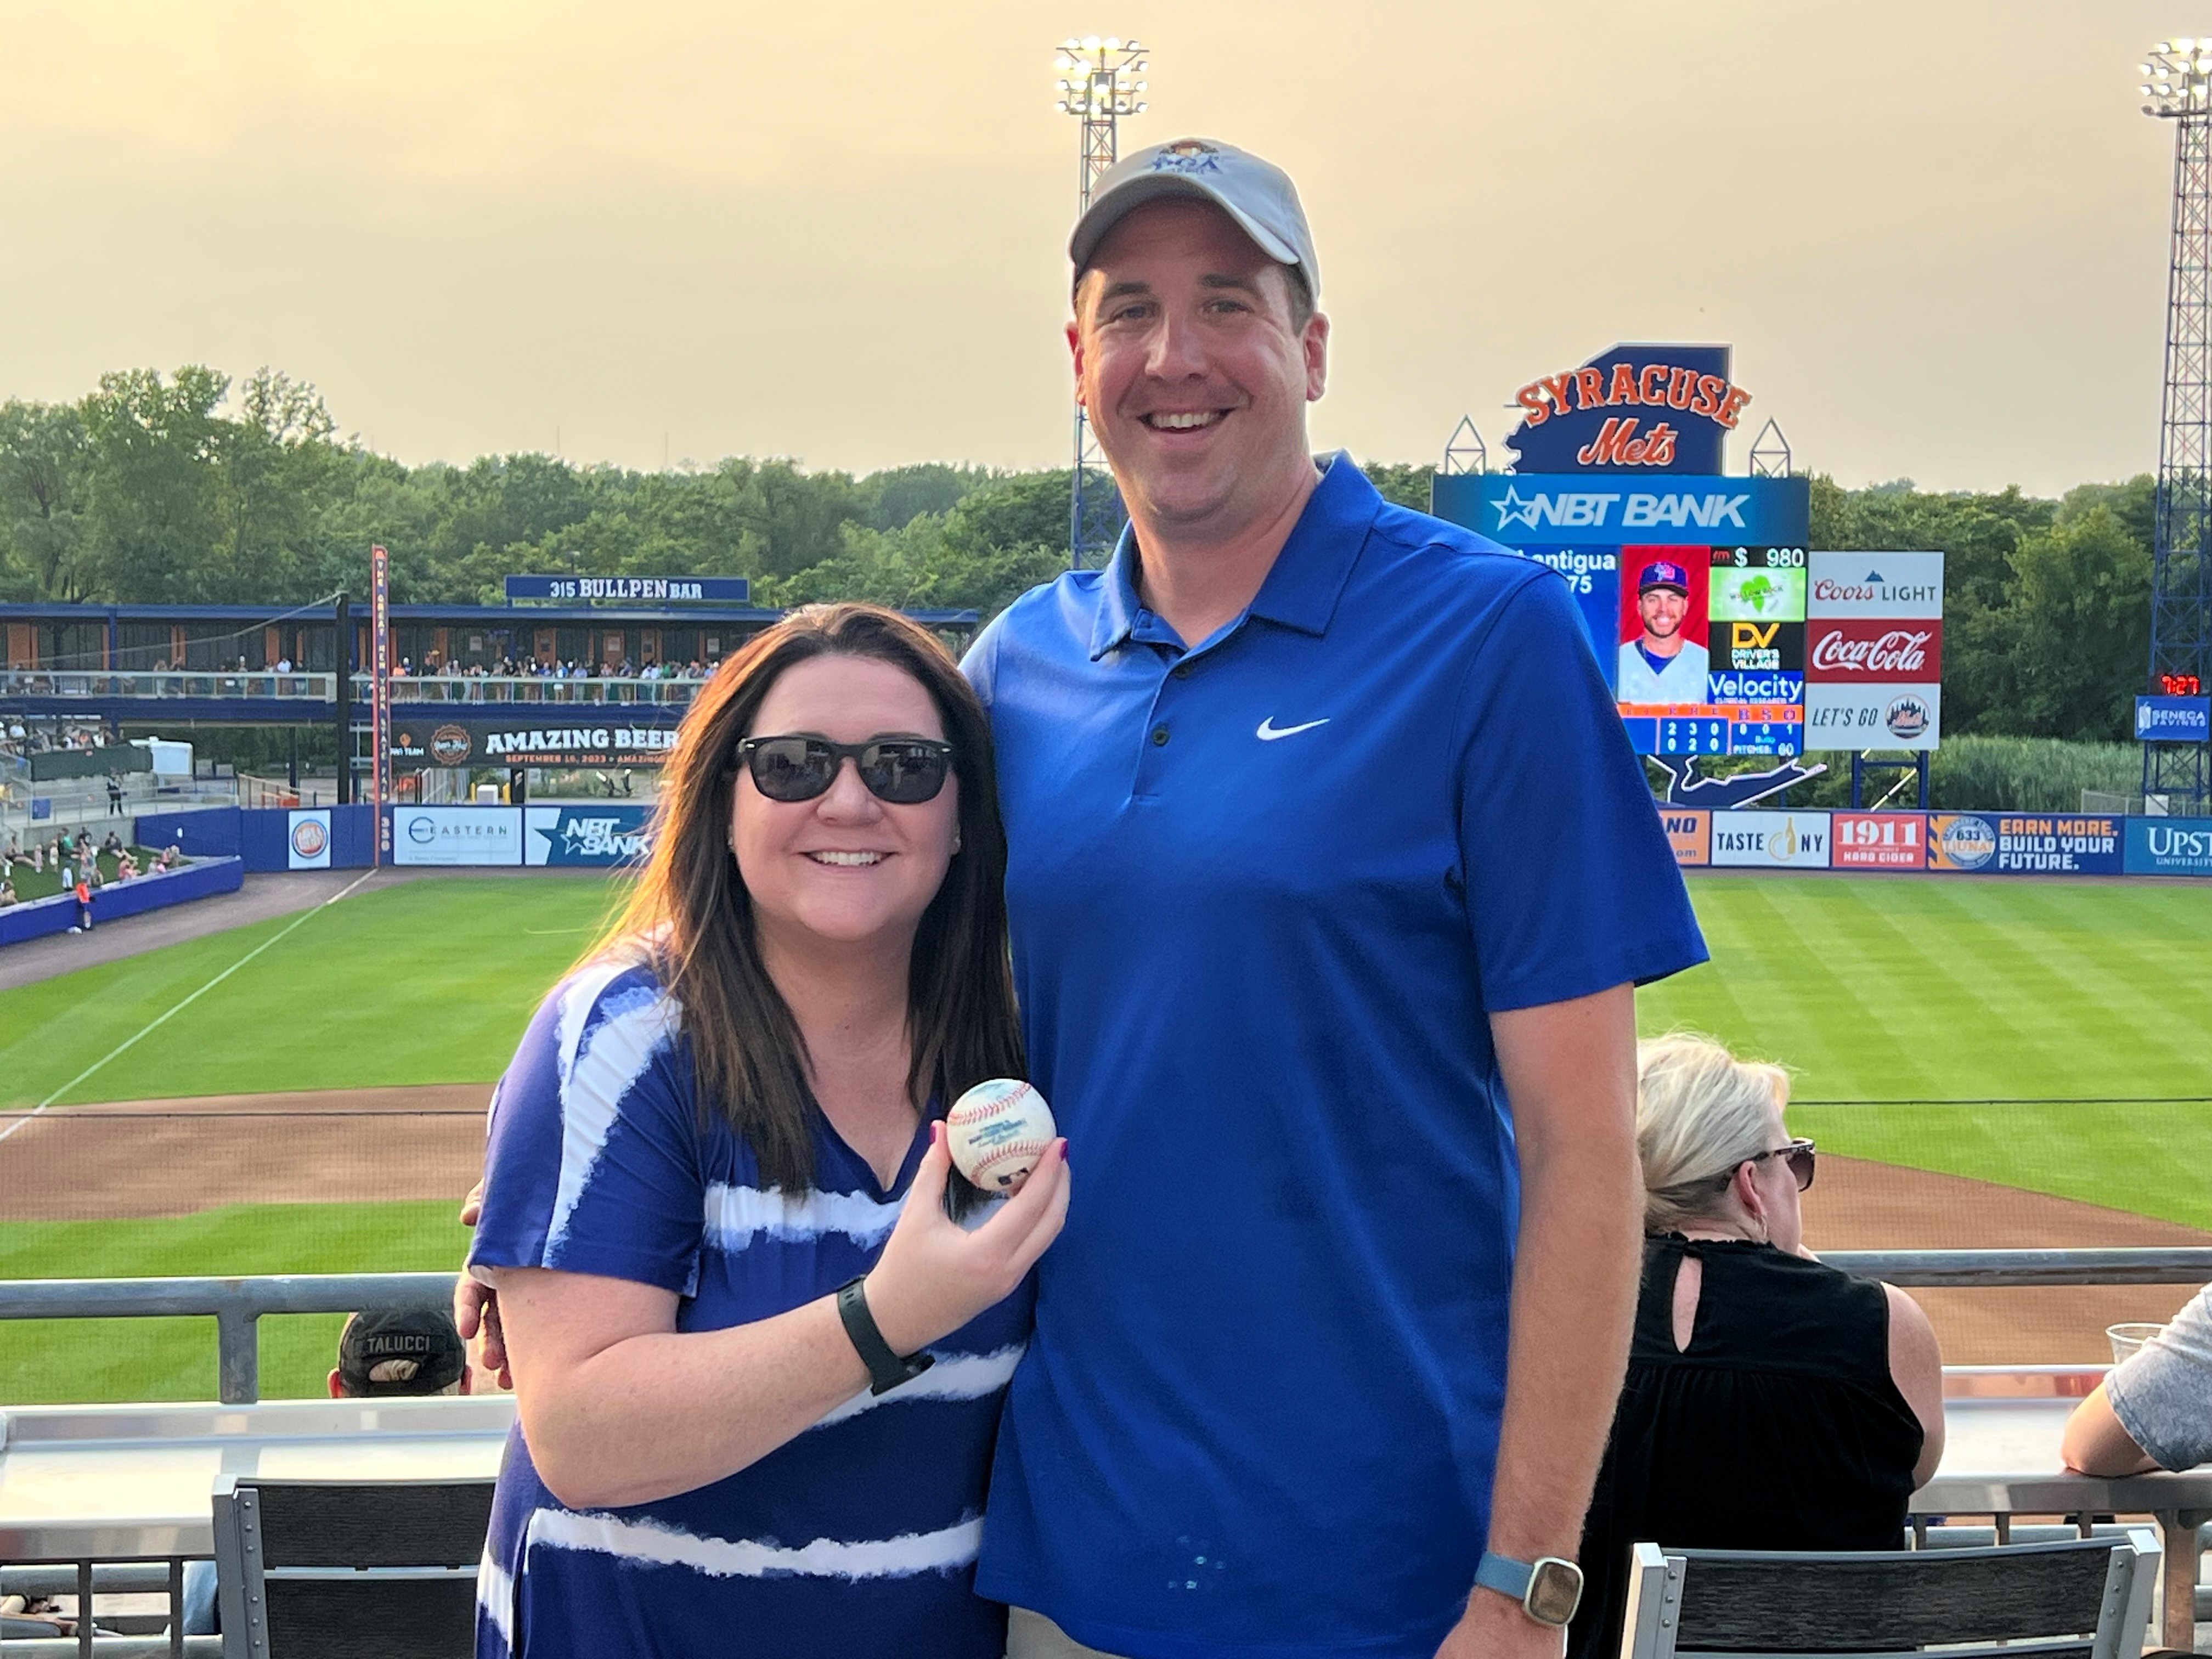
[1548, 1588]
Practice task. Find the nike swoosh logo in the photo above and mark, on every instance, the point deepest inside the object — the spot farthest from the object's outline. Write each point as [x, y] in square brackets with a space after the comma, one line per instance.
[1269, 730]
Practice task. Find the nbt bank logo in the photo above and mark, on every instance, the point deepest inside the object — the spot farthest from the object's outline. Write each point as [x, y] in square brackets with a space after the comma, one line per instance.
[1639, 509]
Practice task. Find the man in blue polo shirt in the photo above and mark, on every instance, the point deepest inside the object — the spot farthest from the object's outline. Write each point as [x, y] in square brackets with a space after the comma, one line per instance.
[1327, 846]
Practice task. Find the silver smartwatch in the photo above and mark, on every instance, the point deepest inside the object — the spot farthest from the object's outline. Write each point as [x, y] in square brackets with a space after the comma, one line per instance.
[1548, 1588]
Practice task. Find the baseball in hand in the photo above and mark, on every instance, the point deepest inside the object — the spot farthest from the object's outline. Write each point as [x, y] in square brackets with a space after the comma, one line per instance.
[997, 1132]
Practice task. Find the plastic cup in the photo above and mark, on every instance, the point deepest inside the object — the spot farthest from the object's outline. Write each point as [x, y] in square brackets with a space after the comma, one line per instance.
[2127, 1338]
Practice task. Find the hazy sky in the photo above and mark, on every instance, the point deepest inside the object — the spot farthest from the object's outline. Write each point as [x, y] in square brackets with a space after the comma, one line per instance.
[1934, 232]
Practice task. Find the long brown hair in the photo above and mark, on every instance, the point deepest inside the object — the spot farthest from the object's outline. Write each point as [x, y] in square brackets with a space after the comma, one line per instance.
[692, 917]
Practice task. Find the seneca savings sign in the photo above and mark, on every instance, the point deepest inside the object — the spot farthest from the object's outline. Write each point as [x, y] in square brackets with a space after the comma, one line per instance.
[1770, 841]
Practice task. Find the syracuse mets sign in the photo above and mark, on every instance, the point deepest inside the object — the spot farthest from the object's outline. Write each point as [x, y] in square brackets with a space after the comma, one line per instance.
[1630, 409]
[1525, 508]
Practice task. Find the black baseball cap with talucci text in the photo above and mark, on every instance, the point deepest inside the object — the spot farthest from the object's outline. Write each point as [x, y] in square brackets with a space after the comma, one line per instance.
[406, 1350]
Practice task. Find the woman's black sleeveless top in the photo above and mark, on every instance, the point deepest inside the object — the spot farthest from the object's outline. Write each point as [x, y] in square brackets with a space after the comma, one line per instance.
[1778, 1428]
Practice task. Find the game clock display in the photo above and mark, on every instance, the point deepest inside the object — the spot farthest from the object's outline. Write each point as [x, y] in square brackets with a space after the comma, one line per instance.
[1709, 649]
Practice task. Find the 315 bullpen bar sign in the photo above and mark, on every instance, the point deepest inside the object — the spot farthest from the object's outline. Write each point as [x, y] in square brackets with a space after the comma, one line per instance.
[631, 590]
[1718, 631]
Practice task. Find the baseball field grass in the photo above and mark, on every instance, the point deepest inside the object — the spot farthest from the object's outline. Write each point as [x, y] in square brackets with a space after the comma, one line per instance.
[1986, 1028]
[1979, 1028]
[429, 982]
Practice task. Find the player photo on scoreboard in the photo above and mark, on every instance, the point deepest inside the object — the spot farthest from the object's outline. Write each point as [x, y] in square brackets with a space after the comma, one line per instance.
[1664, 655]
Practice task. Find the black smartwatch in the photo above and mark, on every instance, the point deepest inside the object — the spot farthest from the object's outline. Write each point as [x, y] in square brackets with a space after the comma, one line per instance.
[1548, 1588]
[886, 1370]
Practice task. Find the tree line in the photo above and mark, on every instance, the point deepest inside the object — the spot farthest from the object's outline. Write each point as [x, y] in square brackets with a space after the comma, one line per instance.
[191, 487]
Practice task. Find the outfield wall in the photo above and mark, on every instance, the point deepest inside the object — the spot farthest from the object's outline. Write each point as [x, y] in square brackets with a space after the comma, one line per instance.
[120, 899]
[1954, 844]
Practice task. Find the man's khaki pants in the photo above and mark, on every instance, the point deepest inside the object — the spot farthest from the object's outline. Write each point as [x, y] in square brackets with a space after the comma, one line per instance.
[1033, 1636]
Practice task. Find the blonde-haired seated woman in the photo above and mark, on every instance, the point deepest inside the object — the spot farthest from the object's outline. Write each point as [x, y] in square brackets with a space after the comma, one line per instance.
[1772, 1402]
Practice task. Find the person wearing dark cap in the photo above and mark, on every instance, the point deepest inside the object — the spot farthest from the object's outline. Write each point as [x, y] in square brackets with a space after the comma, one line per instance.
[409, 1351]
[1330, 875]
[1662, 663]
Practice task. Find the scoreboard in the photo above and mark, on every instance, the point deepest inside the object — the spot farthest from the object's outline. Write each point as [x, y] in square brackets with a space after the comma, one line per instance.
[1753, 641]
[1718, 632]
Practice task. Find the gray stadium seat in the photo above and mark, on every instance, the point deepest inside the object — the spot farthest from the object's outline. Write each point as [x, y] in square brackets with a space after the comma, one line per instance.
[2081, 1599]
[349, 1569]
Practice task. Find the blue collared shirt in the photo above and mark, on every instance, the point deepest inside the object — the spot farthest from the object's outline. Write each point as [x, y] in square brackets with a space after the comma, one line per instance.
[1264, 894]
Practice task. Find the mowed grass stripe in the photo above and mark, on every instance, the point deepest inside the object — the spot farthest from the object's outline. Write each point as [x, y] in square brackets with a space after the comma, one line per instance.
[430, 982]
[1906, 989]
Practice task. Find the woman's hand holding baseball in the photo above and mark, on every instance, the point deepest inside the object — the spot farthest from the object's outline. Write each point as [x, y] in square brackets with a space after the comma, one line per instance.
[935, 1275]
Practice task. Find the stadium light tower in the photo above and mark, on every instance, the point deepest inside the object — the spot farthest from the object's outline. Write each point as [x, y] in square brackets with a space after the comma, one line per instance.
[1098, 82]
[2177, 82]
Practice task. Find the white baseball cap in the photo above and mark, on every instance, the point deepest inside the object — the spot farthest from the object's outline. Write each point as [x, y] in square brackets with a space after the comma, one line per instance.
[1258, 195]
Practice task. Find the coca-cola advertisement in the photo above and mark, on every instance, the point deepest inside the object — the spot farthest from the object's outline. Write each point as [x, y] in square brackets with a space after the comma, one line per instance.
[1875, 651]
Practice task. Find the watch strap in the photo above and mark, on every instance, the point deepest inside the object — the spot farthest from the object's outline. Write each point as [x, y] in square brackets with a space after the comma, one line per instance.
[886, 1370]
[1502, 1573]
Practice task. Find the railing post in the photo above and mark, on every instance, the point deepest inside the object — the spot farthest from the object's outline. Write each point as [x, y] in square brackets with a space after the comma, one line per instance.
[238, 1355]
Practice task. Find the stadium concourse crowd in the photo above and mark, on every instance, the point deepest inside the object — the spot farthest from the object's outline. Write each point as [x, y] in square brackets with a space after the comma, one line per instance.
[19, 742]
[530, 668]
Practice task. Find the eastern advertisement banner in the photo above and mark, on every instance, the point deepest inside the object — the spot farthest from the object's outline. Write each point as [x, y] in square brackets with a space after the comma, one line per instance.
[308, 839]
[2025, 843]
[1791, 840]
[2169, 847]
[457, 834]
[588, 836]
[1874, 584]
[1880, 840]
[545, 741]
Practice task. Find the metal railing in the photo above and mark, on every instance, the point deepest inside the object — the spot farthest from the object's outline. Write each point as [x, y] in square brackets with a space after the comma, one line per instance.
[237, 1304]
[530, 688]
[1971, 1269]
[165, 682]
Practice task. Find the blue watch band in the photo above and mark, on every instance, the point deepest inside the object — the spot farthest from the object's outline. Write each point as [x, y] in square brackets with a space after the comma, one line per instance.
[1502, 1573]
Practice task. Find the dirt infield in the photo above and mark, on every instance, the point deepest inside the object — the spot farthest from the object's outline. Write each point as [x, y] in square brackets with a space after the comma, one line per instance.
[169, 1157]
[1858, 1205]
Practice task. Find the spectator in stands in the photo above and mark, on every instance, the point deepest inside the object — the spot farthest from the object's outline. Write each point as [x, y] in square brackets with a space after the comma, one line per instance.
[111, 844]
[8, 893]
[83, 891]
[1772, 1402]
[114, 795]
[413, 1350]
[811, 969]
[2153, 1410]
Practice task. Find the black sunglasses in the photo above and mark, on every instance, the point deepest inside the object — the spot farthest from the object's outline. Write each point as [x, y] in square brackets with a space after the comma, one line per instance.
[1798, 1154]
[903, 771]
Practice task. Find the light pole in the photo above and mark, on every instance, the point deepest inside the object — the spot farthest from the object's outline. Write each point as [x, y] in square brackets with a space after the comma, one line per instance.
[1098, 82]
[2176, 85]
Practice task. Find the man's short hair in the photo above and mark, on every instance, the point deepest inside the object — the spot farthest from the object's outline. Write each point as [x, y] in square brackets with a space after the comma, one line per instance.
[407, 1350]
